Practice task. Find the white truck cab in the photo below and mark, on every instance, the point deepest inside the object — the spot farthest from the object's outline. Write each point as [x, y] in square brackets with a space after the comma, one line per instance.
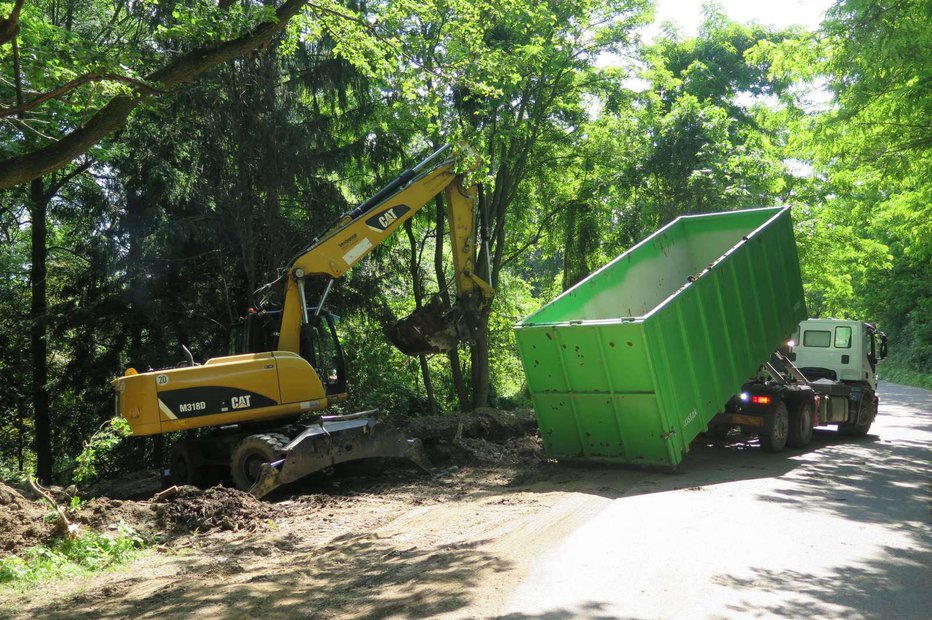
[840, 350]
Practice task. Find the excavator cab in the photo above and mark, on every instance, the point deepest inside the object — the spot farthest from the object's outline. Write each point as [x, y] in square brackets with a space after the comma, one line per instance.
[255, 332]
[321, 347]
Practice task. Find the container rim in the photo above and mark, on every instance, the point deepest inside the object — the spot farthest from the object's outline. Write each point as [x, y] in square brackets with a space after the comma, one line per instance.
[778, 211]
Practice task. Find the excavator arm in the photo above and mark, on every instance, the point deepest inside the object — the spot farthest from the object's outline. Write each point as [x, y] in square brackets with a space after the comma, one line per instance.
[360, 231]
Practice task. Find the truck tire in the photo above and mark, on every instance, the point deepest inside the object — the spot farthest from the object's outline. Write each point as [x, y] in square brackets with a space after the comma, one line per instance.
[854, 429]
[251, 453]
[186, 464]
[800, 433]
[776, 440]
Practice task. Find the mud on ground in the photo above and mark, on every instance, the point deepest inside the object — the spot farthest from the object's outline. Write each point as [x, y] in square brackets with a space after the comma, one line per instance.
[21, 521]
[321, 529]
[480, 438]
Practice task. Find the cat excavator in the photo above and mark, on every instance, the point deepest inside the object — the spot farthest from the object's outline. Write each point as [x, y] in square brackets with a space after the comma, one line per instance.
[288, 363]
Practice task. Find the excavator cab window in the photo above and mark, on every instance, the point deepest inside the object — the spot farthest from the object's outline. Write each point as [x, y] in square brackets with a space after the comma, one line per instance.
[321, 348]
[255, 333]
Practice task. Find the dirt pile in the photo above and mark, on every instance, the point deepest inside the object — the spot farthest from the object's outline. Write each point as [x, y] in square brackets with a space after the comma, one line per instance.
[483, 423]
[103, 513]
[514, 451]
[218, 508]
[21, 521]
[486, 435]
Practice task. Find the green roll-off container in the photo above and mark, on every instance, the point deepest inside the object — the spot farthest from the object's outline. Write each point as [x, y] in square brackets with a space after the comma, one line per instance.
[629, 365]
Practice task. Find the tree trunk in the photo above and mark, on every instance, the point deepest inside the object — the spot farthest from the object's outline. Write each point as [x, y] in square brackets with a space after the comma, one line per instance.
[38, 320]
[459, 383]
[480, 364]
[20, 436]
[415, 271]
[480, 350]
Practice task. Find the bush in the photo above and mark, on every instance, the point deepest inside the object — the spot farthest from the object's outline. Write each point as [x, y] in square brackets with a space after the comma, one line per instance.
[904, 376]
[89, 552]
[99, 448]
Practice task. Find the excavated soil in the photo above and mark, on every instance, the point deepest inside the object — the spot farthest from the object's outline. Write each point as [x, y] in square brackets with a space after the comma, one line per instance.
[483, 438]
[21, 521]
[141, 484]
[104, 513]
[341, 532]
[190, 509]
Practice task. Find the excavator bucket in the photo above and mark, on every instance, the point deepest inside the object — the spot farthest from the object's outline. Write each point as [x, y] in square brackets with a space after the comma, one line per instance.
[334, 440]
[430, 329]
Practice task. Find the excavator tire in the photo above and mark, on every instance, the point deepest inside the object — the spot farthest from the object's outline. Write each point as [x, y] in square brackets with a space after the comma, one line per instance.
[186, 464]
[251, 453]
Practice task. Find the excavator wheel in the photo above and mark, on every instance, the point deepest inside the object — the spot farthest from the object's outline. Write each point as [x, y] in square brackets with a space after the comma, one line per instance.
[251, 454]
[186, 464]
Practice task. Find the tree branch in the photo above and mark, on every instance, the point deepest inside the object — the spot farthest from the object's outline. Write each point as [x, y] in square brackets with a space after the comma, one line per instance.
[92, 76]
[113, 116]
[9, 26]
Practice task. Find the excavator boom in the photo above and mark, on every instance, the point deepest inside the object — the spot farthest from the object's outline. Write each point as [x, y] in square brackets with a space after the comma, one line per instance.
[360, 231]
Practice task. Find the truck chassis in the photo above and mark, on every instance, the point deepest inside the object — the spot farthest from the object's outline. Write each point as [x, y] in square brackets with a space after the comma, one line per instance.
[783, 407]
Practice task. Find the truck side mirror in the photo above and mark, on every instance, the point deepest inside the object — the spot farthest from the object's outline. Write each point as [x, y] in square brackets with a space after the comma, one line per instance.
[883, 345]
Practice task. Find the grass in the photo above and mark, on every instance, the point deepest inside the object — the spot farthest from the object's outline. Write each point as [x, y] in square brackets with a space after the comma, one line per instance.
[90, 552]
[904, 376]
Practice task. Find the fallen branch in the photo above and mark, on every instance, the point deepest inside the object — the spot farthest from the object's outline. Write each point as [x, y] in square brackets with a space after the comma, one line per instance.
[65, 526]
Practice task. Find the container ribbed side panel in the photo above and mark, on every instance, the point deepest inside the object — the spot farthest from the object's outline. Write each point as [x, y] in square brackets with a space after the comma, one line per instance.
[718, 294]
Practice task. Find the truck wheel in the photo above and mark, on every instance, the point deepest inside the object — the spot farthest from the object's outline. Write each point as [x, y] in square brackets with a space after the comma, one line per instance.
[854, 429]
[776, 440]
[800, 433]
[186, 464]
[251, 454]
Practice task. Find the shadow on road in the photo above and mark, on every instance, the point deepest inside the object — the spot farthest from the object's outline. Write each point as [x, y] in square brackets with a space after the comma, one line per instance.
[583, 611]
[827, 478]
[353, 576]
[878, 588]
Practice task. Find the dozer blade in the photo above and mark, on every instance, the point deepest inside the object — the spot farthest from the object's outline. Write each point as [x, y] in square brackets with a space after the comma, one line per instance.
[430, 329]
[334, 440]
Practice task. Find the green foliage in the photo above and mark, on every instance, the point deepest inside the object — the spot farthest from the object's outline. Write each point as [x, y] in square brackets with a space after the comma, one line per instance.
[904, 376]
[99, 447]
[89, 552]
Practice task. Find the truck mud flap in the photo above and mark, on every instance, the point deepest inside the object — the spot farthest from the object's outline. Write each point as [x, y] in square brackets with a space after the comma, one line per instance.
[334, 440]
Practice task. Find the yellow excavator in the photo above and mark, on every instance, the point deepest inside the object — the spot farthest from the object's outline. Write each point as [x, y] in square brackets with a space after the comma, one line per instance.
[290, 362]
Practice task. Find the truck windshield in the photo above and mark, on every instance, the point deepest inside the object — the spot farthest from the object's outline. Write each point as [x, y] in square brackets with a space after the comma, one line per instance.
[817, 338]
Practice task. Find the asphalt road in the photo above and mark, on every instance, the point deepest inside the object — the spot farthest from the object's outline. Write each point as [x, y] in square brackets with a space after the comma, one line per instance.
[839, 530]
